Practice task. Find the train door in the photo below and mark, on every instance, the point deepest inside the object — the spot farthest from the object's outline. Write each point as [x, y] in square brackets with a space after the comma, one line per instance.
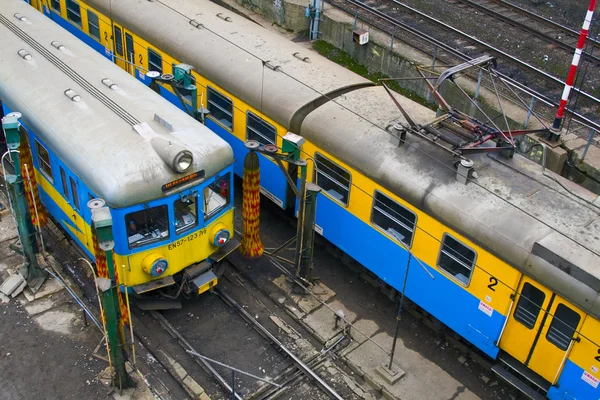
[118, 48]
[541, 329]
[129, 52]
[76, 223]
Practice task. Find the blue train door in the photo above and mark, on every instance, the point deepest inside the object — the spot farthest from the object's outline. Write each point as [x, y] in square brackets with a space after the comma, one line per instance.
[75, 223]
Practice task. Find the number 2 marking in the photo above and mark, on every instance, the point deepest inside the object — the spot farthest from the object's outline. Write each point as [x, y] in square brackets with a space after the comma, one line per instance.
[141, 60]
[493, 282]
[597, 358]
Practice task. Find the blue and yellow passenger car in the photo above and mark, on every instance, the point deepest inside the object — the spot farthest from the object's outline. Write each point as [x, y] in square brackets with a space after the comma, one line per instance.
[514, 255]
[96, 132]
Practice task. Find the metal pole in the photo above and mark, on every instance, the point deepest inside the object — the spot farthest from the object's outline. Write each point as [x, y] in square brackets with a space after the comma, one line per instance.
[587, 145]
[392, 44]
[102, 225]
[529, 112]
[434, 57]
[232, 385]
[479, 77]
[32, 273]
[300, 221]
[315, 22]
[399, 315]
[355, 18]
[310, 214]
[560, 113]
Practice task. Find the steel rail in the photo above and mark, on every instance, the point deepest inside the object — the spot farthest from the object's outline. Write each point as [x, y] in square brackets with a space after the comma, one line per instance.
[187, 346]
[302, 366]
[592, 124]
[545, 20]
[489, 47]
[524, 26]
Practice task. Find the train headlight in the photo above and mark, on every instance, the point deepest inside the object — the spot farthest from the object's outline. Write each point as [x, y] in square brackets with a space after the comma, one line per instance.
[183, 161]
[155, 264]
[175, 155]
[220, 235]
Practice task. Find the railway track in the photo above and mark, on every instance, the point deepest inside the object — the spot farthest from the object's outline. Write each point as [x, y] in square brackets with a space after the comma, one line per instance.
[290, 377]
[385, 15]
[542, 28]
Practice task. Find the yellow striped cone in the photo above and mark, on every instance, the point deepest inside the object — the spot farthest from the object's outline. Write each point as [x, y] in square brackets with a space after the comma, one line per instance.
[251, 246]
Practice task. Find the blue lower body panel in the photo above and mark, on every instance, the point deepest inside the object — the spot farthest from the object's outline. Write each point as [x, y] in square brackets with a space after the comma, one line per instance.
[441, 297]
[272, 179]
[575, 384]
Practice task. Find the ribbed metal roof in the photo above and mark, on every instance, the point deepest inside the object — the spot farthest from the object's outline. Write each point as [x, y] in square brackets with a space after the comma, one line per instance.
[95, 137]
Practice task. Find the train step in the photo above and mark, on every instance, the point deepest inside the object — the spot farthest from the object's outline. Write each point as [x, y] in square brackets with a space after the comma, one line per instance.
[516, 375]
[523, 372]
[517, 383]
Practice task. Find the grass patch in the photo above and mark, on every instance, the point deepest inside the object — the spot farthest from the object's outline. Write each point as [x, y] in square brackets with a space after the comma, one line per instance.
[344, 59]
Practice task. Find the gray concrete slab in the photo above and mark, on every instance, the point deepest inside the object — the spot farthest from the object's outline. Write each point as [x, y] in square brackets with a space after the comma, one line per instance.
[305, 302]
[363, 329]
[11, 284]
[322, 321]
[49, 287]
[420, 372]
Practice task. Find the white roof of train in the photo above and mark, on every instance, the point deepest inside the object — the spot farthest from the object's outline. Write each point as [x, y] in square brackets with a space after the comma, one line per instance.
[166, 25]
[116, 162]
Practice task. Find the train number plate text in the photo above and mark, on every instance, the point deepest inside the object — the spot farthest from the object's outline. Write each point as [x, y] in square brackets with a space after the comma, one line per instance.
[188, 238]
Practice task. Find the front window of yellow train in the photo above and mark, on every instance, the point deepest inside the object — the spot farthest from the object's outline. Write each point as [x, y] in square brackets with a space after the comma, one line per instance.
[186, 213]
[216, 196]
[149, 225]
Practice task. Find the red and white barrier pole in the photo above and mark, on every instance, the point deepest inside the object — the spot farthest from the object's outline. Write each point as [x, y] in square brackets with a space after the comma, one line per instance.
[574, 64]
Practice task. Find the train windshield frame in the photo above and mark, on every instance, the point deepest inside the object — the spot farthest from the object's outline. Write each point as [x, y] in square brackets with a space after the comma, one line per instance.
[216, 196]
[147, 226]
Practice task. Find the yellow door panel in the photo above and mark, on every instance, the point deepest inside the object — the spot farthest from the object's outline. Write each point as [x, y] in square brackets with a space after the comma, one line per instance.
[586, 351]
[523, 324]
[555, 339]
[119, 46]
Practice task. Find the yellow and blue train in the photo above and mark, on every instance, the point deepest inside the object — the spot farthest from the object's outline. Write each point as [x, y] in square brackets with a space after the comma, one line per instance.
[515, 256]
[96, 132]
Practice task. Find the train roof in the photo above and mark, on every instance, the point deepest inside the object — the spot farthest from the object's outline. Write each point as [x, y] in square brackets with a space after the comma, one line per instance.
[514, 210]
[96, 137]
[222, 58]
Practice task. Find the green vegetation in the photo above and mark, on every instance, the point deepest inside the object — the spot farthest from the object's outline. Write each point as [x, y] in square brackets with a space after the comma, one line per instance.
[342, 58]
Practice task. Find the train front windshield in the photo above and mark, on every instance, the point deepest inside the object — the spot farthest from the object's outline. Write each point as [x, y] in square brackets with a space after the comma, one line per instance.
[191, 209]
[149, 225]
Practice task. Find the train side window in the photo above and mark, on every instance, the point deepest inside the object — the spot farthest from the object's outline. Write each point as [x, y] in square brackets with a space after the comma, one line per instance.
[74, 12]
[563, 327]
[93, 25]
[74, 193]
[216, 196]
[63, 179]
[220, 107]
[393, 218]
[457, 259]
[129, 48]
[44, 160]
[118, 41]
[529, 305]
[186, 214]
[149, 225]
[260, 130]
[332, 178]
[154, 61]
[55, 4]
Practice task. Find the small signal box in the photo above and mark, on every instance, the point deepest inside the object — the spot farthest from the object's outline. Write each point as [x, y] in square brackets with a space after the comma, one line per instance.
[360, 36]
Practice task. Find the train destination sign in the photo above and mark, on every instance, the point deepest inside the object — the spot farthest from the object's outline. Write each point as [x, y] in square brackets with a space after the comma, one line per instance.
[182, 181]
